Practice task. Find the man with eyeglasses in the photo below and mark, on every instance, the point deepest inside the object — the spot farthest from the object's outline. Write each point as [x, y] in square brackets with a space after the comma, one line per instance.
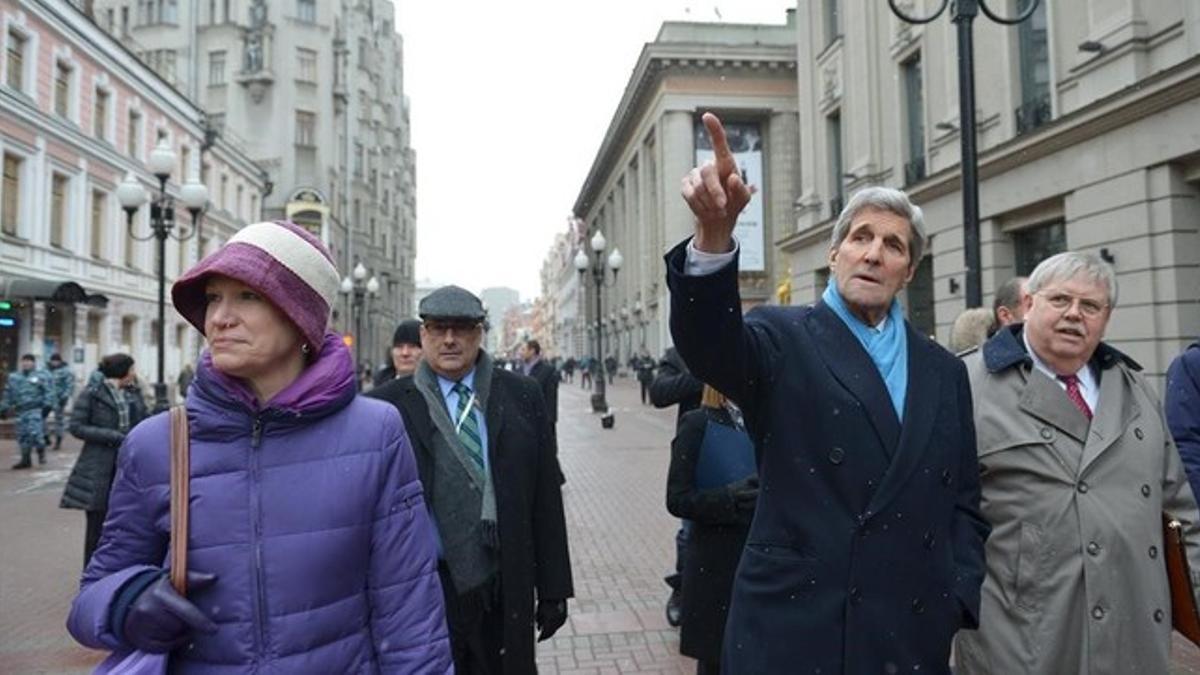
[1077, 468]
[486, 456]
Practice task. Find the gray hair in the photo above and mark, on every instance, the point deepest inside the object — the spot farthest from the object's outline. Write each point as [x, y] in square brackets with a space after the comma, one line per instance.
[884, 199]
[970, 329]
[1068, 265]
[1009, 294]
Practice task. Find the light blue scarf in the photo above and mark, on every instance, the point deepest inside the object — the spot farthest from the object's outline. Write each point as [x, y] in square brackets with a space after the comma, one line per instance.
[888, 348]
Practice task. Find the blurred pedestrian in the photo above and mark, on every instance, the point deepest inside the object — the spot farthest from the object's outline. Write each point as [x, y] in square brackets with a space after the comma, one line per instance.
[1078, 469]
[485, 448]
[310, 548]
[712, 484]
[30, 393]
[587, 366]
[64, 388]
[1183, 410]
[102, 415]
[186, 375]
[569, 368]
[405, 352]
[866, 550]
[546, 375]
[970, 329]
[645, 375]
[1008, 307]
[610, 366]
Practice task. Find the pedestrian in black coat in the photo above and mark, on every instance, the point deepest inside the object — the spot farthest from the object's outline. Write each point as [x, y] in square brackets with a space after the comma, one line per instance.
[505, 567]
[644, 365]
[720, 517]
[98, 419]
[675, 385]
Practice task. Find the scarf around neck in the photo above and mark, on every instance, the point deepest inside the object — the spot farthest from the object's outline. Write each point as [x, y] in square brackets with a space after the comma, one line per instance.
[888, 348]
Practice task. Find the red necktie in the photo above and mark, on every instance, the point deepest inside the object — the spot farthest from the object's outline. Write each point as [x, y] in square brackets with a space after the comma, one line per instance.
[1075, 395]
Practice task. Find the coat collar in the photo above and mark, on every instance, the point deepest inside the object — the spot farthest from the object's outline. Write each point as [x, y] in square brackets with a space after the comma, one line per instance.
[1006, 349]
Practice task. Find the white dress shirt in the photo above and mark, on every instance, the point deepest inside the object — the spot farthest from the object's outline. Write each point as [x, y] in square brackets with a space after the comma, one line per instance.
[1088, 386]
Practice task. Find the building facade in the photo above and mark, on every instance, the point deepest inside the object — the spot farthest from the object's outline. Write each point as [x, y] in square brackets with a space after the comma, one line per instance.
[746, 74]
[1088, 140]
[497, 301]
[315, 92]
[78, 112]
[564, 326]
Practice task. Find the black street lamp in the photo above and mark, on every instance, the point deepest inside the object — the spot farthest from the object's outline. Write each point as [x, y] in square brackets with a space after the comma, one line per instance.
[360, 294]
[132, 196]
[597, 266]
[963, 13]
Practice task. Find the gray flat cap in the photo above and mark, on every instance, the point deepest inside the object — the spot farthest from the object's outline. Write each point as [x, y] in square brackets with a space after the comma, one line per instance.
[451, 302]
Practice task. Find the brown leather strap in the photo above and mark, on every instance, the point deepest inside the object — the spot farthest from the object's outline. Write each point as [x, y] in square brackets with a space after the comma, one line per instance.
[180, 484]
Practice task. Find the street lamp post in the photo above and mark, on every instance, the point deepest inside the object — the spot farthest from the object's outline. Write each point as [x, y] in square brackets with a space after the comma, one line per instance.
[359, 293]
[132, 196]
[963, 13]
[597, 266]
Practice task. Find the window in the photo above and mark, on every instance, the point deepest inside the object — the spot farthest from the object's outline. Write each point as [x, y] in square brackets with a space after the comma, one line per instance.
[253, 208]
[128, 323]
[110, 20]
[15, 72]
[920, 303]
[216, 68]
[1034, 56]
[134, 140]
[914, 111]
[98, 204]
[833, 20]
[306, 128]
[306, 10]
[225, 192]
[1033, 245]
[307, 61]
[833, 132]
[212, 11]
[10, 195]
[62, 88]
[58, 209]
[170, 11]
[100, 115]
[237, 206]
[358, 160]
[124, 21]
[185, 164]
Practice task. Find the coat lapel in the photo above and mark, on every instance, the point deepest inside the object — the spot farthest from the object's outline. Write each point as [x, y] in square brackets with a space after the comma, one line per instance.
[853, 368]
[1115, 411]
[919, 417]
[1044, 399]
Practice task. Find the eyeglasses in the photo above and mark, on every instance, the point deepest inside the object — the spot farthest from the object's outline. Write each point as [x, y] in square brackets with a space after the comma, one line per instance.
[1063, 302]
[439, 329]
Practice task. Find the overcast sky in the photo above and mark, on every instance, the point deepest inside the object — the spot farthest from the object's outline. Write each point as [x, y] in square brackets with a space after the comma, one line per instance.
[510, 101]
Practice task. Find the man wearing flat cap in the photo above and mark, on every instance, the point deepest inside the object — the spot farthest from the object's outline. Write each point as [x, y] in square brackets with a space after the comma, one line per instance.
[405, 353]
[486, 456]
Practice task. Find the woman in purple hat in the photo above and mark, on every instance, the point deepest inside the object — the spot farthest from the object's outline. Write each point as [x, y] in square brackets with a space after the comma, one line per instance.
[310, 549]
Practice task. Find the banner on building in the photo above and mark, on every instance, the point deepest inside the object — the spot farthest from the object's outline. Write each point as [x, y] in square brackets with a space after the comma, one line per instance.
[745, 140]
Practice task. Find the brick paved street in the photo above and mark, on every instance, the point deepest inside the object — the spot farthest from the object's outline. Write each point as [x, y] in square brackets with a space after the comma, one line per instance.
[621, 545]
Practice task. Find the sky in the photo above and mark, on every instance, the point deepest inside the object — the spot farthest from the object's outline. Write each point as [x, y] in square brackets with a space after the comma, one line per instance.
[510, 100]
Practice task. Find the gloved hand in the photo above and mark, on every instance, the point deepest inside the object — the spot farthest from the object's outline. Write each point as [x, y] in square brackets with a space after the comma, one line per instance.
[161, 620]
[549, 617]
[744, 493]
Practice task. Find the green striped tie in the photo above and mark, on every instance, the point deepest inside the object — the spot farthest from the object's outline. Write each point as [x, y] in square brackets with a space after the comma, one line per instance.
[468, 426]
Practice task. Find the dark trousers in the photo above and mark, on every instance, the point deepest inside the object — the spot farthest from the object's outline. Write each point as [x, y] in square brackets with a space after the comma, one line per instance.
[91, 535]
[675, 579]
[645, 390]
[476, 623]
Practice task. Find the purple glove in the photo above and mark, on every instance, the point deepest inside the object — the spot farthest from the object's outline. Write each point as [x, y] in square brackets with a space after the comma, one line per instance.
[549, 617]
[161, 620]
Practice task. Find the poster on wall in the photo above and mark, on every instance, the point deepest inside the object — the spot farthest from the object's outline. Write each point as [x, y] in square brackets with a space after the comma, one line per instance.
[745, 141]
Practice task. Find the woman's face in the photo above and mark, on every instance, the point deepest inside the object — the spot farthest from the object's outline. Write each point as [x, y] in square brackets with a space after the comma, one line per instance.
[247, 335]
[129, 378]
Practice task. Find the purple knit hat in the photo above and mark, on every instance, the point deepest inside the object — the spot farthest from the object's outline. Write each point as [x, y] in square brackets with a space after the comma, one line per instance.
[280, 260]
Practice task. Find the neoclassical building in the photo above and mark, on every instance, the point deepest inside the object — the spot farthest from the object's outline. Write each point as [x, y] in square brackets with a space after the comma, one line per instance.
[745, 73]
[1088, 128]
[78, 112]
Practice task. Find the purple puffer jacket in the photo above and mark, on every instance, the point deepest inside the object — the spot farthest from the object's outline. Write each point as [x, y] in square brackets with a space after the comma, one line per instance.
[310, 513]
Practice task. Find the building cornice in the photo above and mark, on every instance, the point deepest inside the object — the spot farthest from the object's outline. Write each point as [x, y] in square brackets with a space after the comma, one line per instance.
[657, 60]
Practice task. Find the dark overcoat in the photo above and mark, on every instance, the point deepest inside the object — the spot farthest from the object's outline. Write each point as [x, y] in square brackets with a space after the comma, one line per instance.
[94, 419]
[547, 379]
[534, 562]
[866, 550]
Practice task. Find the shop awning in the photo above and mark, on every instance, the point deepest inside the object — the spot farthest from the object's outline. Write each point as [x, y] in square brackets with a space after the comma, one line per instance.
[51, 291]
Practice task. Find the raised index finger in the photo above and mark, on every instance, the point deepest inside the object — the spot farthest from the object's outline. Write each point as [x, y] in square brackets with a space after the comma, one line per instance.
[723, 158]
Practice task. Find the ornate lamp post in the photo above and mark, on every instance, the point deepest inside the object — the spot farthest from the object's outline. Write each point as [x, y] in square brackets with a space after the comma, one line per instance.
[963, 13]
[132, 196]
[359, 293]
[597, 267]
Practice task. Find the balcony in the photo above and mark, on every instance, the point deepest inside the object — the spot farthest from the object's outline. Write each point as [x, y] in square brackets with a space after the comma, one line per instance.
[914, 171]
[1033, 113]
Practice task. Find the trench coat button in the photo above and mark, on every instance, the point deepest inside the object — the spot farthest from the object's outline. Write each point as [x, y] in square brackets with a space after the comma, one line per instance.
[1158, 616]
[946, 477]
[1082, 487]
[1153, 552]
[836, 456]
[929, 540]
[1093, 549]
[1145, 490]
[1097, 612]
[918, 606]
[855, 595]
[1046, 433]
[1138, 432]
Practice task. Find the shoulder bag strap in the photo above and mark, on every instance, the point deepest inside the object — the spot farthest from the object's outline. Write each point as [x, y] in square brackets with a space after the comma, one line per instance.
[180, 471]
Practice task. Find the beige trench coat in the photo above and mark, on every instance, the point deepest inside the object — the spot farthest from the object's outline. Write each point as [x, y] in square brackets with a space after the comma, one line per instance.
[1076, 581]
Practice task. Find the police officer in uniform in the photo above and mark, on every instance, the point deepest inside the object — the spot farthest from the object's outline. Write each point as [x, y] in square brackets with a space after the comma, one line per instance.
[28, 391]
[63, 382]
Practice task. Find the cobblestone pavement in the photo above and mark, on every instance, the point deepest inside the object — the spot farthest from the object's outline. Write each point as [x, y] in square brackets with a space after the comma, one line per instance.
[622, 543]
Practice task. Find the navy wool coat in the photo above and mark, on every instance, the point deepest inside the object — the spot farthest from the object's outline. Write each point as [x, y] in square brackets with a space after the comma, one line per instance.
[866, 550]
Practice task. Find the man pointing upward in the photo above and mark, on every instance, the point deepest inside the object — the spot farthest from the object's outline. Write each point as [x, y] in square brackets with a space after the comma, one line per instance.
[866, 552]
